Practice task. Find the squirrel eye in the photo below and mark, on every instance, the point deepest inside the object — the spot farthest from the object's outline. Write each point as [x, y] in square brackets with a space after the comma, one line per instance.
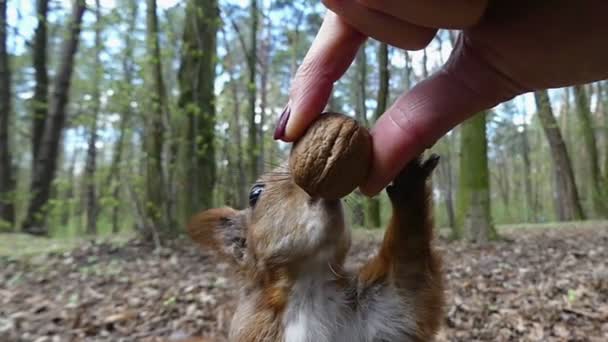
[255, 193]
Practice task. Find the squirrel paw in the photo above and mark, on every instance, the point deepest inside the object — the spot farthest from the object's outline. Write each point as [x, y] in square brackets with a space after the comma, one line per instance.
[415, 173]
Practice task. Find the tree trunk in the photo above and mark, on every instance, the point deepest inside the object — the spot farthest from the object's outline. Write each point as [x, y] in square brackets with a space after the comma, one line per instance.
[334, 104]
[40, 98]
[236, 128]
[570, 129]
[7, 182]
[408, 71]
[530, 204]
[89, 171]
[596, 183]
[91, 160]
[566, 118]
[425, 68]
[46, 163]
[252, 57]
[265, 62]
[503, 184]
[449, 196]
[602, 124]
[240, 161]
[384, 80]
[474, 221]
[154, 137]
[113, 180]
[359, 203]
[196, 81]
[602, 136]
[604, 99]
[453, 35]
[373, 204]
[361, 85]
[69, 191]
[294, 41]
[568, 206]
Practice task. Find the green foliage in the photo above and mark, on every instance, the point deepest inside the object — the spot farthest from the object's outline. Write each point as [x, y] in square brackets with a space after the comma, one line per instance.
[24, 246]
[7, 197]
[5, 226]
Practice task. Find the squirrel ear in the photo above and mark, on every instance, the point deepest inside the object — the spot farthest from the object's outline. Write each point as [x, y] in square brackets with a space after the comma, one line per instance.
[223, 230]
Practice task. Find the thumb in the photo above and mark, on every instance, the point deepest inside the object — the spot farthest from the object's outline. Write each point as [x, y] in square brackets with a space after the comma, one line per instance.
[330, 55]
[466, 85]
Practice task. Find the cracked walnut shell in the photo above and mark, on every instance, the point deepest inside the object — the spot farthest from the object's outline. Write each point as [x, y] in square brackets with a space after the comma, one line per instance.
[332, 158]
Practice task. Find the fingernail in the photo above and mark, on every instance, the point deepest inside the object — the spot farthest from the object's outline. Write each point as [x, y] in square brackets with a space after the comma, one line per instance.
[279, 132]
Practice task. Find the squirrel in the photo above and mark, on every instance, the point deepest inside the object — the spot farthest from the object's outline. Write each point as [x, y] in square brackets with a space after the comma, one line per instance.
[288, 251]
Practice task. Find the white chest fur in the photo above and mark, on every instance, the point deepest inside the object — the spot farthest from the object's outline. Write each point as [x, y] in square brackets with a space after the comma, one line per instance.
[319, 311]
[315, 310]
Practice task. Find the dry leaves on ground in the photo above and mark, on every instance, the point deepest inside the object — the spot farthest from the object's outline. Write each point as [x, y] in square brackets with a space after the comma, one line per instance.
[540, 285]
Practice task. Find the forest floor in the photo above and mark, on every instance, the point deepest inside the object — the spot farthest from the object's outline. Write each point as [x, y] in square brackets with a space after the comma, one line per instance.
[536, 285]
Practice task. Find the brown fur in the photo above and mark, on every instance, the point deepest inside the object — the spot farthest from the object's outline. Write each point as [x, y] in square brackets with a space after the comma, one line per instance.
[280, 247]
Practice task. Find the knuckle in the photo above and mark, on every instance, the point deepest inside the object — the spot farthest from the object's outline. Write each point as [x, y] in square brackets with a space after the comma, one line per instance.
[309, 73]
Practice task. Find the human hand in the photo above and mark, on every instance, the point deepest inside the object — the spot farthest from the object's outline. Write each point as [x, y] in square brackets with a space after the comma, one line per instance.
[506, 48]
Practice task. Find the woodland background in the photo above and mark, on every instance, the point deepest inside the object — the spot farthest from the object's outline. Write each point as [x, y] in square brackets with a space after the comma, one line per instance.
[120, 115]
[124, 117]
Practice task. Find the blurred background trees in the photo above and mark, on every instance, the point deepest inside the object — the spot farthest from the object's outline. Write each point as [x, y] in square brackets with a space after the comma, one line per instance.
[7, 185]
[123, 116]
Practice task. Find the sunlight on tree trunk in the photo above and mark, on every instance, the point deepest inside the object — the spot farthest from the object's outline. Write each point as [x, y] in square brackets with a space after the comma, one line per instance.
[473, 219]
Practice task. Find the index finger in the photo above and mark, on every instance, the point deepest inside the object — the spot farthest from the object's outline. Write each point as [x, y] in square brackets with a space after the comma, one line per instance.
[330, 55]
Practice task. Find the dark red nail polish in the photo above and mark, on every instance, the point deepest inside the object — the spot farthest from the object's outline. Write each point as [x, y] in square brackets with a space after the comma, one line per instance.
[279, 132]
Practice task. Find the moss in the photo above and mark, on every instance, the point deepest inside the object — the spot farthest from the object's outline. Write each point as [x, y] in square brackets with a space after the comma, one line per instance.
[473, 217]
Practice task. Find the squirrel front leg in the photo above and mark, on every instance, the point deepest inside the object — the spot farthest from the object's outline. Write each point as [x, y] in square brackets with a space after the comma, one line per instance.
[407, 260]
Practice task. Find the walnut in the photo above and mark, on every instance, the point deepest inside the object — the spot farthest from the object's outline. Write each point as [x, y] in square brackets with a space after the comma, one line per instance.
[332, 158]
